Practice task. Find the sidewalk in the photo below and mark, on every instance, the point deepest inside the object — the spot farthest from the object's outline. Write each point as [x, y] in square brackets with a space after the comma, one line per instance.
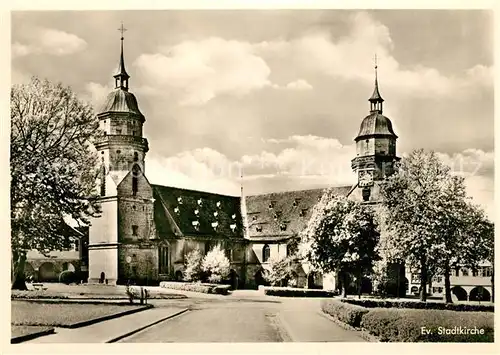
[302, 320]
[111, 330]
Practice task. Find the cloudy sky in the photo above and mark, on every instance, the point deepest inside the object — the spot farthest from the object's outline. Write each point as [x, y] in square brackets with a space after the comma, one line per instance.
[278, 95]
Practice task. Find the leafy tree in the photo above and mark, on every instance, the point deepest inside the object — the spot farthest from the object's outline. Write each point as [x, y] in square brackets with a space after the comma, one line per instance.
[430, 223]
[53, 168]
[341, 236]
[193, 271]
[280, 270]
[216, 265]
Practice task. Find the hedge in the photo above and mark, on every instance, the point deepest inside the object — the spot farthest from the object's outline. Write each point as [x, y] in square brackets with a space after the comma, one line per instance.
[344, 312]
[296, 292]
[407, 325]
[461, 307]
[197, 287]
[67, 277]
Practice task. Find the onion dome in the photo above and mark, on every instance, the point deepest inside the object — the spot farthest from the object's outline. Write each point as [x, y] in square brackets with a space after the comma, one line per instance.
[120, 100]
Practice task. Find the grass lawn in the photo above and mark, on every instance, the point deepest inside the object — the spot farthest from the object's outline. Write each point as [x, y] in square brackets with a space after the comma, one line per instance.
[61, 315]
[22, 330]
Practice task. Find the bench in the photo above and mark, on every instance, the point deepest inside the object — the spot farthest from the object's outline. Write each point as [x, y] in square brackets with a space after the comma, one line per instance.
[38, 286]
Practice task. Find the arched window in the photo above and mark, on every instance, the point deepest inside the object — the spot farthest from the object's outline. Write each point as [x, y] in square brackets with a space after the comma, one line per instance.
[266, 253]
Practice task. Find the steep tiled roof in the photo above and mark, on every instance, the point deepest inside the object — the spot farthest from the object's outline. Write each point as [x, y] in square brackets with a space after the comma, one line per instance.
[197, 213]
[280, 214]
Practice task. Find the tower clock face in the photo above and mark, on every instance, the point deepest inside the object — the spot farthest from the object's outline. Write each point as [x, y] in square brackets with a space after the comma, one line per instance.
[365, 178]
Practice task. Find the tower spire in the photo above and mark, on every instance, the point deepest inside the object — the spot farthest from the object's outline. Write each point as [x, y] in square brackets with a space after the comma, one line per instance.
[376, 99]
[121, 78]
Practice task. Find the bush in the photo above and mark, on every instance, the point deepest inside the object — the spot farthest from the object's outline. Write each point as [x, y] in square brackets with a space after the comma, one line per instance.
[67, 277]
[280, 271]
[296, 292]
[406, 325]
[461, 307]
[193, 271]
[216, 265]
[197, 287]
[344, 312]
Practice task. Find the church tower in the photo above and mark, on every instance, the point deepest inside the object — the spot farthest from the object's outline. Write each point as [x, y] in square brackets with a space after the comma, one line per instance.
[126, 219]
[122, 148]
[375, 147]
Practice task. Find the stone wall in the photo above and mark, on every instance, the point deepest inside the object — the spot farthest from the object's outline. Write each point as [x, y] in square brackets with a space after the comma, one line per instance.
[138, 262]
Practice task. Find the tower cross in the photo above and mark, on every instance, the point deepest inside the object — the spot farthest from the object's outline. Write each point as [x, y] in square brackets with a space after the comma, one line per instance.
[122, 30]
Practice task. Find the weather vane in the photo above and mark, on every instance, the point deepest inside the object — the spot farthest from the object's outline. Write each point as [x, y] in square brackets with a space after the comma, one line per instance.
[122, 30]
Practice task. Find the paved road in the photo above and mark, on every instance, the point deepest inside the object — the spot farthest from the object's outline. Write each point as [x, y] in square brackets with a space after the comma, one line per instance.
[244, 318]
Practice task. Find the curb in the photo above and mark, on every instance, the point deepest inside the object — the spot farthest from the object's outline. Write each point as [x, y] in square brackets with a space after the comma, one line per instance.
[362, 333]
[26, 337]
[126, 335]
[111, 316]
[285, 330]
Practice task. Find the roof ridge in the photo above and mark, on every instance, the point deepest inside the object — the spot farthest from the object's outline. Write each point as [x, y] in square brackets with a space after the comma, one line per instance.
[197, 191]
[304, 190]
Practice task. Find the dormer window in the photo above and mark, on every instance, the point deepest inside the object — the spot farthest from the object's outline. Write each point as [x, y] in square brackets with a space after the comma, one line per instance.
[215, 225]
[233, 227]
[196, 212]
[283, 227]
[196, 225]
[177, 210]
[303, 212]
[216, 214]
[277, 215]
[272, 204]
[218, 204]
[258, 228]
[200, 202]
[233, 216]
[296, 202]
[254, 218]
[179, 200]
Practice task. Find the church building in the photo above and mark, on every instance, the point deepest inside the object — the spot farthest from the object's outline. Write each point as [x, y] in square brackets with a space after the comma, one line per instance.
[146, 230]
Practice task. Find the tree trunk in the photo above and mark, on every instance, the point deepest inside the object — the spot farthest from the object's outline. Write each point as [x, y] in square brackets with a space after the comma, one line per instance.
[492, 285]
[19, 261]
[360, 273]
[423, 279]
[447, 283]
[344, 284]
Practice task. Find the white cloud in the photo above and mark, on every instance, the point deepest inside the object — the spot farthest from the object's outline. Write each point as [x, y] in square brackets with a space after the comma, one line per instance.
[470, 162]
[299, 85]
[97, 93]
[201, 169]
[48, 41]
[309, 156]
[20, 50]
[202, 70]
[352, 57]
